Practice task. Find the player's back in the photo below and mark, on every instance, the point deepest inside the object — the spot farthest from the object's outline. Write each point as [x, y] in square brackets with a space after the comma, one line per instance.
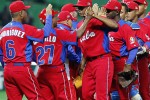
[53, 52]
[14, 43]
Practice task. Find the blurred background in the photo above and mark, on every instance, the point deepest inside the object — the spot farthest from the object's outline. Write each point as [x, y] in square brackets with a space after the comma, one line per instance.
[36, 7]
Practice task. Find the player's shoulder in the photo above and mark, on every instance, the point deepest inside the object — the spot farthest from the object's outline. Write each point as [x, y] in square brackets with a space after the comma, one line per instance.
[28, 26]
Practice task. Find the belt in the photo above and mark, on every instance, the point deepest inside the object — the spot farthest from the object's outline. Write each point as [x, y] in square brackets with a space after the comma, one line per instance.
[17, 64]
[95, 57]
[118, 57]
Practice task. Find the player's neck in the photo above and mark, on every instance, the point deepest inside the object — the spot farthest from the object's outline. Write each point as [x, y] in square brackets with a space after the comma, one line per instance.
[135, 20]
[17, 19]
[142, 15]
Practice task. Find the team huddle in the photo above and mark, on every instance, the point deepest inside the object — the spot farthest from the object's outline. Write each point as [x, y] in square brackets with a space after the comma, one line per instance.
[105, 56]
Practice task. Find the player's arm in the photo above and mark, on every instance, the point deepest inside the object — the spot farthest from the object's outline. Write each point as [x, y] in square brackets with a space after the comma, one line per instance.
[132, 55]
[82, 28]
[72, 56]
[128, 36]
[36, 34]
[48, 24]
[108, 22]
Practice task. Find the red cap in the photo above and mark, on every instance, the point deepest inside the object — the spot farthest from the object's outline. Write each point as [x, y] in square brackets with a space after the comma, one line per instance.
[132, 5]
[64, 15]
[83, 3]
[42, 15]
[125, 1]
[68, 7]
[113, 5]
[142, 2]
[17, 6]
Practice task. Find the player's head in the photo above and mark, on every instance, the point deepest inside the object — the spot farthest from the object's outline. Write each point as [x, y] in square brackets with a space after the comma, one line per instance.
[64, 17]
[133, 11]
[113, 9]
[124, 11]
[142, 6]
[18, 10]
[82, 5]
[42, 17]
[70, 8]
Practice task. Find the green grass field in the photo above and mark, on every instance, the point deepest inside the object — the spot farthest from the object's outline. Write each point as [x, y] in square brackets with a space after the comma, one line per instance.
[4, 97]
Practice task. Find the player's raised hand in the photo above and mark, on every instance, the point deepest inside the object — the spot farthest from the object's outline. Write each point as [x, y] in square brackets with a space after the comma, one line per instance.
[49, 10]
[89, 13]
[95, 9]
[102, 12]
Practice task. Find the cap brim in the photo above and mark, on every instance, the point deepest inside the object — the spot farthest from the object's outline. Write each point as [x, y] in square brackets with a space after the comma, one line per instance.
[27, 7]
[79, 5]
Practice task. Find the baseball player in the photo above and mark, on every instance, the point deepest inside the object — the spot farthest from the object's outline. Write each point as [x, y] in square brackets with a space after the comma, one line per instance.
[123, 46]
[69, 7]
[143, 37]
[124, 11]
[94, 44]
[75, 55]
[51, 56]
[16, 43]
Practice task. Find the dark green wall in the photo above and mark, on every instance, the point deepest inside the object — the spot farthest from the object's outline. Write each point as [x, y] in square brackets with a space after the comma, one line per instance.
[57, 4]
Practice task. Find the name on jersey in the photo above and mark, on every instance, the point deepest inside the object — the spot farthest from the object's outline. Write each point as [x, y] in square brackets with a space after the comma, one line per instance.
[48, 39]
[12, 32]
[87, 36]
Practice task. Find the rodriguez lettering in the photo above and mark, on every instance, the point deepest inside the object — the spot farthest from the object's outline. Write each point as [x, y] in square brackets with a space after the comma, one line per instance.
[12, 32]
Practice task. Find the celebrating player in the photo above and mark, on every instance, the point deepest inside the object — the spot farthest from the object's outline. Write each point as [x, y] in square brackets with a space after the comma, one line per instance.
[94, 44]
[16, 43]
[143, 37]
[74, 54]
[123, 46]
[52, 54]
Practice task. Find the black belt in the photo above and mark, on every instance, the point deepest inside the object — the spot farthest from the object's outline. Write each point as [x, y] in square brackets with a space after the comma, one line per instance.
[93, 58]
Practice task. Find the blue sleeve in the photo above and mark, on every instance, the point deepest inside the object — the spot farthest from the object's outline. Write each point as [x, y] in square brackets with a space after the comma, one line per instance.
[48, 26]
[147, 44]
[1, 60]
[132, 55]
[72, 56]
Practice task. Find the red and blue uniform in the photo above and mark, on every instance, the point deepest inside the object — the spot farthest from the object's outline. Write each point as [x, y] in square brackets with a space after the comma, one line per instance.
[16, 42]
[51, 56]
[124, 47]
[74, 58]
[99, 66]
[143, 37]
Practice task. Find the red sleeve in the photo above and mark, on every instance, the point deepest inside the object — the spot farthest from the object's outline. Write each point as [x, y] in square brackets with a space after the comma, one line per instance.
[129, 36]
[33, 33]
[96, 22]
[67, 36]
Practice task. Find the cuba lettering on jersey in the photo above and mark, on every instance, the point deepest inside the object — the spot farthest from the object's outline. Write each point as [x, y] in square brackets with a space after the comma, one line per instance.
[95, 40]
[16, 40]
[123, 40]
[52, 51]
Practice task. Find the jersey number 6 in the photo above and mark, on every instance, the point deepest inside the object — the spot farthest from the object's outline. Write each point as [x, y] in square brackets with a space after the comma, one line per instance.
[10, 51]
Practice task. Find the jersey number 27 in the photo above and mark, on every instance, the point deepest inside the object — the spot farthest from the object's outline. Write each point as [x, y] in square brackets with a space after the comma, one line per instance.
[42, 51]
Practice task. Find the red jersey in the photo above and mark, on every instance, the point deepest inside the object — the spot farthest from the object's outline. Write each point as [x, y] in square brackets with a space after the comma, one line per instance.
[53, 51]
[143, 34]
[16, 41]
[95, 40]
[123, 40]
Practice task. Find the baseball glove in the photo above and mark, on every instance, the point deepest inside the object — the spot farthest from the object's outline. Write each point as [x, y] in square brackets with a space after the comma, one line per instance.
[78, 81]
[126, 78]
